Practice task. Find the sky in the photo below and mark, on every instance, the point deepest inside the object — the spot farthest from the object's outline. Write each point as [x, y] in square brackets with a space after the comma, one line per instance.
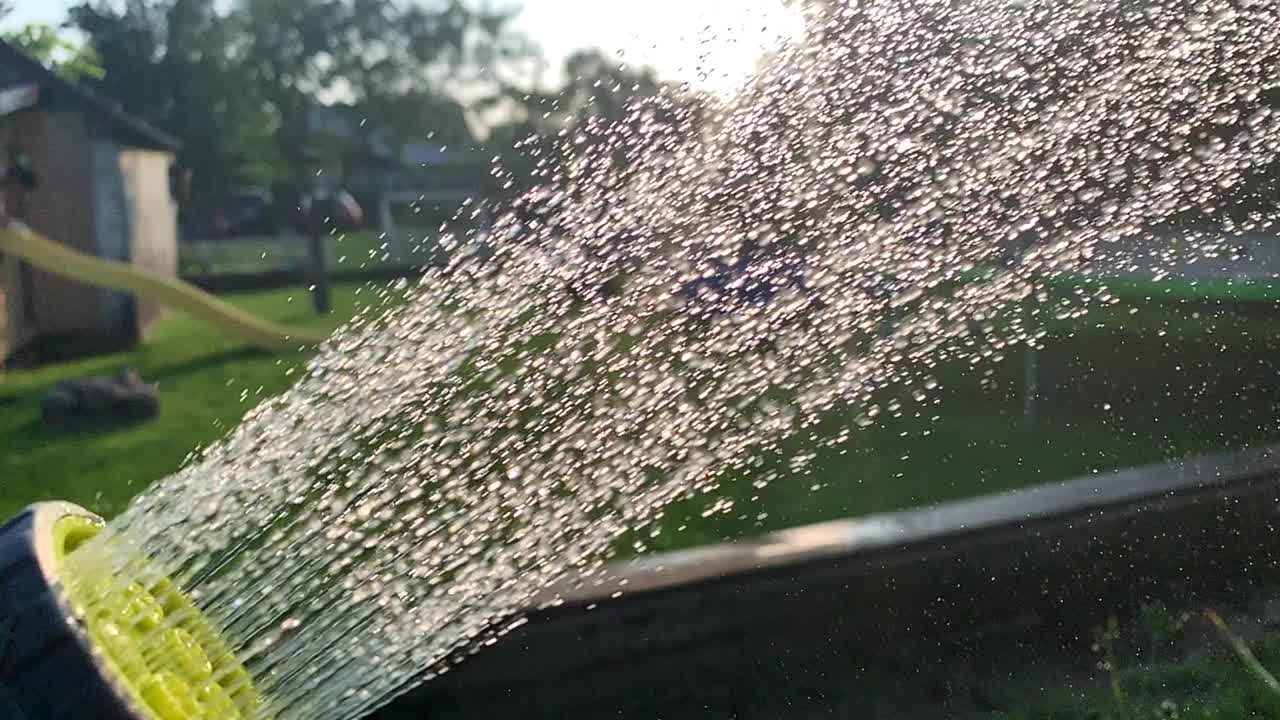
[712, 43]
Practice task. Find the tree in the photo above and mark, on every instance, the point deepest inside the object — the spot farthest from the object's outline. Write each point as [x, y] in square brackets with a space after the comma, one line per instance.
[394, 63]
[175, 63]
[600, 102]
[241, 84]
[44, 44]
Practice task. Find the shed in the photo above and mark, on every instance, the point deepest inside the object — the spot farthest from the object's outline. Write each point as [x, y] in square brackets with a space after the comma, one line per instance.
[103, 187]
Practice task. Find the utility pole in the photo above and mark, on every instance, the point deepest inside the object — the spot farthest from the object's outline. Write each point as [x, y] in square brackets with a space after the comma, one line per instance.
[324, 210]
[1030, 383]
[1031, 353]
[312, 203]
[321, 297]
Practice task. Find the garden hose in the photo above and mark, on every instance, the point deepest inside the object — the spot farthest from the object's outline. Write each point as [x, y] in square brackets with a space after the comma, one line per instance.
[21, 241]
[84, 642]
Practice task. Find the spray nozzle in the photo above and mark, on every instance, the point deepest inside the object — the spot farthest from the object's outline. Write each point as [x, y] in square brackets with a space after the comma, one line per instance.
[99, 632]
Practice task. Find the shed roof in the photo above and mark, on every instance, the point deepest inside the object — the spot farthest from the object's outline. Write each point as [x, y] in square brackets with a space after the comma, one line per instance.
[18, 70]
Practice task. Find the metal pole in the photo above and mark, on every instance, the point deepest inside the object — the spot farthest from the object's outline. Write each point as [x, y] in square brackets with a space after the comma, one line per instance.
[1030, 368]
[1030, 384]
[320, 295]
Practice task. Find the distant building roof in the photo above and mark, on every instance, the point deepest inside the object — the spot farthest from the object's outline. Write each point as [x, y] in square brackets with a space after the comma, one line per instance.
[18, 70]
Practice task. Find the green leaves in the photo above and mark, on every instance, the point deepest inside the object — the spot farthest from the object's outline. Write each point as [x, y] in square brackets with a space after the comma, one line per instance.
[240, 83]
[175, 63]
[43, 43]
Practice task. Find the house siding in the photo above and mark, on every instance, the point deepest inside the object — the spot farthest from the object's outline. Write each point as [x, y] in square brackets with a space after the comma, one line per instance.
[112, 230]
[61, 208]
[153, 218]
[104, 191]
[15, 331]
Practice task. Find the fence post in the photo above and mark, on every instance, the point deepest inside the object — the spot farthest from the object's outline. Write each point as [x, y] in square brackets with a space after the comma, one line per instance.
[321, 299]
[1030, 364]
[1030, 384]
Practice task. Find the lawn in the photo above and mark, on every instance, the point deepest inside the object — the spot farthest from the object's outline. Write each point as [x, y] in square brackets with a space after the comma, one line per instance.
[345, 251]
[1125, 385]
[207, 382]
[1129, 384]
[1133, 383]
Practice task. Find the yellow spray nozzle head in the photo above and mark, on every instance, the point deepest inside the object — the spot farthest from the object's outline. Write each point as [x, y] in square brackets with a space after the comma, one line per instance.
[162, 651]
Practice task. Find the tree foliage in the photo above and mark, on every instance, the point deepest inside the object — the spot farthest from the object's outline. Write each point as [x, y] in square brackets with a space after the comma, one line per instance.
[600, 100]
[49, 48]
[241, 85]
[265, 92]
[176, 63]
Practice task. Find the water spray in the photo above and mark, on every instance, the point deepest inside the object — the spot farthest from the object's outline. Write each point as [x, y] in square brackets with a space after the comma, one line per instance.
[430, 475]
[83, 640]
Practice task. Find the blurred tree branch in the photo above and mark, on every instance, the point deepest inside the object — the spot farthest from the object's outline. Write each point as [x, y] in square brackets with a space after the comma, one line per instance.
[242, 84]
[43, 43]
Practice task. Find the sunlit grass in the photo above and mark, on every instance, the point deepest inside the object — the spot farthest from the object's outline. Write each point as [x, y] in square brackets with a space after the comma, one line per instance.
[1124, 385]
[206, 380]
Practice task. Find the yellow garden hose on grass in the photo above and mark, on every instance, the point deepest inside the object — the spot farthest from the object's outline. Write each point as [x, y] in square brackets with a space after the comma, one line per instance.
[22, 242]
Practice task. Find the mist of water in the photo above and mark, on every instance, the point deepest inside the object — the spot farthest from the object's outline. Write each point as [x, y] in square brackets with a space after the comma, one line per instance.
[677, 297]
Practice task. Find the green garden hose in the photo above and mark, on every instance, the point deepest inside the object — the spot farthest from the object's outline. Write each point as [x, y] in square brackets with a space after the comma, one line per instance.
[22, 242]
[83, 642]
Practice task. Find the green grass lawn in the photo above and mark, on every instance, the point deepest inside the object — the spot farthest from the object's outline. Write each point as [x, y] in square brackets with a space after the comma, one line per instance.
[370, 247]
[1128, 384]
[1125, 385]
[346, 251]
[1182, 289]
[207, 382]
